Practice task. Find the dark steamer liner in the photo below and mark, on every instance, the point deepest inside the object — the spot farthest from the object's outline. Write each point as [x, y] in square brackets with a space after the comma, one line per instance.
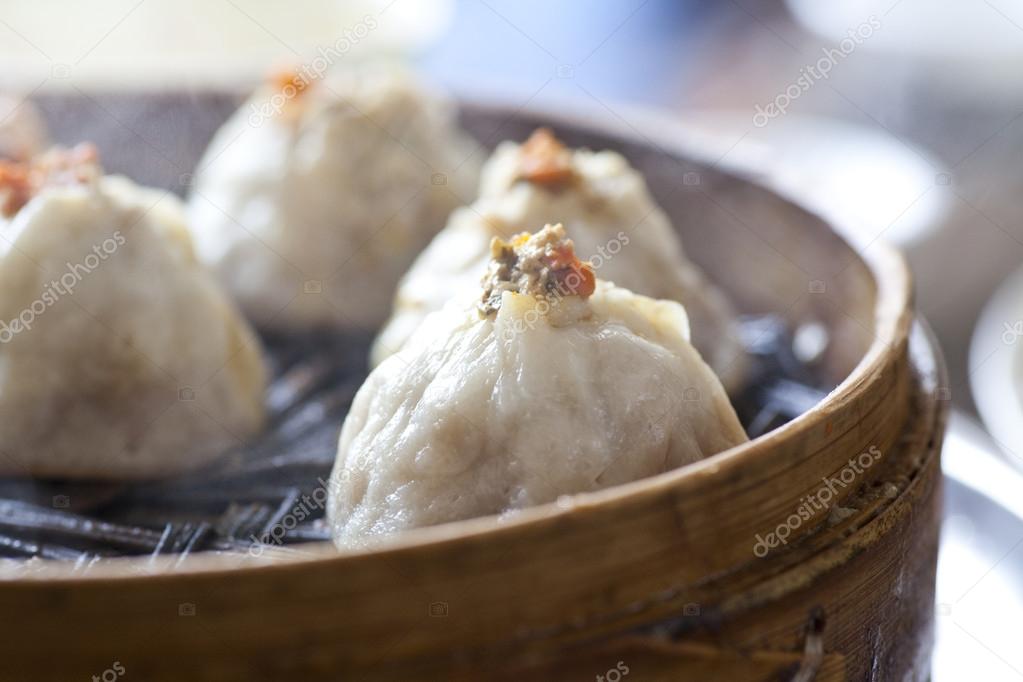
[272, 491]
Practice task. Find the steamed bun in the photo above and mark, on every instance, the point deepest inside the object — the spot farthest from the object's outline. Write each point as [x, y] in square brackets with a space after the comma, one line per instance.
[120, 356]
[547, 383]
[606, 207]
[315, 196]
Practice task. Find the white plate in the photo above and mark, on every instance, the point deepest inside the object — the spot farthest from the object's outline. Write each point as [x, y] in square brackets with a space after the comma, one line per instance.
[980, 565]
[995, 376]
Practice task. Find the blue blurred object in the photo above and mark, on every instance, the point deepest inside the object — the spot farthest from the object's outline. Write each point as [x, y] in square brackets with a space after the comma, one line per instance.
[623, 49]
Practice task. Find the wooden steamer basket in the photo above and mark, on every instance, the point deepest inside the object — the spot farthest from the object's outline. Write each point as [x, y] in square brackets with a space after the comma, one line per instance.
[669, 578]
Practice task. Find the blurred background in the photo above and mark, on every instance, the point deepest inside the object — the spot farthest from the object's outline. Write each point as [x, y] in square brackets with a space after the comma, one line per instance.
[900, 120]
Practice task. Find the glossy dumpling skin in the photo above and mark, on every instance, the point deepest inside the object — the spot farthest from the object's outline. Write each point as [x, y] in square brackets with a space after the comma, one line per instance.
[481, 415]
[604, 204]
[310, 211]
[120, 355]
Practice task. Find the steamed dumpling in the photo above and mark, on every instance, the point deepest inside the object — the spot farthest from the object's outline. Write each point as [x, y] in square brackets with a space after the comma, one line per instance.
[315, 196]
[22, 130]
[604, 204]
[548, 383]
[120, 355]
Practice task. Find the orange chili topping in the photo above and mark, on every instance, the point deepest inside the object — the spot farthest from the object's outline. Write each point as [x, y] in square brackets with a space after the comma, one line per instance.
[22, 180]
[568, 274]
[285, 78]
[544, 160]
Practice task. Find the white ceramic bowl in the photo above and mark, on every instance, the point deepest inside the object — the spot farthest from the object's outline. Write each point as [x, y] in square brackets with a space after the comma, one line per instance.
[996, 374]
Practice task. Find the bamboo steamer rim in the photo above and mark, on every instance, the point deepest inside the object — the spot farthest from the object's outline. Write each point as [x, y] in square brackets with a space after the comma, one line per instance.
[893, 320]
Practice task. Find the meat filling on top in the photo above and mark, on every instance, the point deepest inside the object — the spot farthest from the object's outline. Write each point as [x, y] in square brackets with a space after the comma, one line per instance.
[20, 181]
[290, 85]
[542, 265]
[544, 160]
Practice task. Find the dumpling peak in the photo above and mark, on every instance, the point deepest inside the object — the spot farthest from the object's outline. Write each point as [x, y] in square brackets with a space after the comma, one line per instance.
[542, 265]
[545, 160]
[20, 181]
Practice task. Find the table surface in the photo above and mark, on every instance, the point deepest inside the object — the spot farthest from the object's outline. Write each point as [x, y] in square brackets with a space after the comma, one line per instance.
[980, 567]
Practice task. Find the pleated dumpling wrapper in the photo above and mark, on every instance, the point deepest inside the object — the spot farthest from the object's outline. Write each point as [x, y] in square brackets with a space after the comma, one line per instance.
[605, 205]
[120, 355]
[551, 383]
[22, 130]
[314, 198]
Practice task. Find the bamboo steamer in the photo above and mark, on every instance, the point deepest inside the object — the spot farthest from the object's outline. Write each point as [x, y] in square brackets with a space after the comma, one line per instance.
[661, 579]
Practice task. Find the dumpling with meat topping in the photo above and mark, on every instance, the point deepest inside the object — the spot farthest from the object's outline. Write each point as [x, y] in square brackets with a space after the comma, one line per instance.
[606, 207]
[314, 198]
[22, 130]
[120, 355]
[550, 382]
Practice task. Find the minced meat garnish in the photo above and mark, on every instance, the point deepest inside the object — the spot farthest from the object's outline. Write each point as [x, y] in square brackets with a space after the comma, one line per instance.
[544, 160]
[284, 79]
[540, 265]
[292, 85]
[22, 180]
